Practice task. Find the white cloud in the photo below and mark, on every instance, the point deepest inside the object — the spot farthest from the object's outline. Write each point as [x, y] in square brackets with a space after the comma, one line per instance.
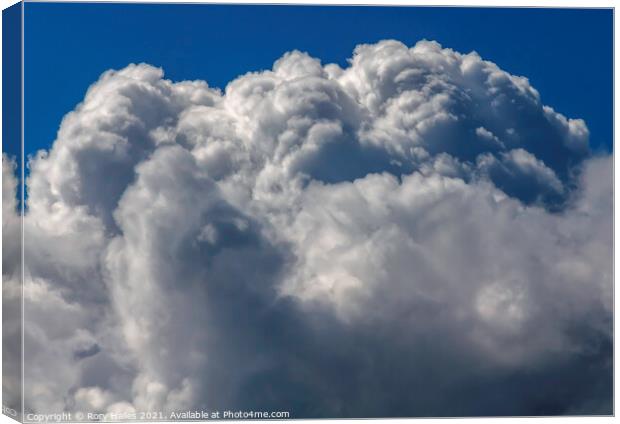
[336, 235]
[11, 290]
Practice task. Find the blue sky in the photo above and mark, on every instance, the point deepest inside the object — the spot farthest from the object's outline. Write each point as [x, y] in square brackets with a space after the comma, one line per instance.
[11, 80]
[566, 54]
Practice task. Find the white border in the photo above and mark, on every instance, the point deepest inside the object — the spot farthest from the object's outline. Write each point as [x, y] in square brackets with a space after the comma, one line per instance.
[483, 3]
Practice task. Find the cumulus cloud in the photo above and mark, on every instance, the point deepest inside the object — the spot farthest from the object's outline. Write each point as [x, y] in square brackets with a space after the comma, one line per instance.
[11, 289]
[413, 235]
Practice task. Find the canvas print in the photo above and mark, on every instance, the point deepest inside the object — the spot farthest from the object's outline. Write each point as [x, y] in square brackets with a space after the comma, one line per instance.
[217, 211]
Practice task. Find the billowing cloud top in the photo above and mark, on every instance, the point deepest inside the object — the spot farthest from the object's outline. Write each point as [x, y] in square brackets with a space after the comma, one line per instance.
[414, 235]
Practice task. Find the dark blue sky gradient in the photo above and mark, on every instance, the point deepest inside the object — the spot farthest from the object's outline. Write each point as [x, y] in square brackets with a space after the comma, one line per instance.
[11, 81]
[566, 54]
